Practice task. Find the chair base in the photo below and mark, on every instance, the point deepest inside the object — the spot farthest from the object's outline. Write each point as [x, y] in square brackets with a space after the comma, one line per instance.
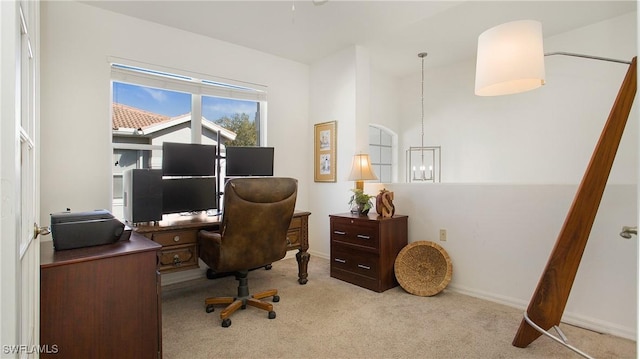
[242, 300]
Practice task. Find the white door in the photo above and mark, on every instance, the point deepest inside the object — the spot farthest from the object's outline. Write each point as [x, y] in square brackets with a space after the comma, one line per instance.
[19, 247]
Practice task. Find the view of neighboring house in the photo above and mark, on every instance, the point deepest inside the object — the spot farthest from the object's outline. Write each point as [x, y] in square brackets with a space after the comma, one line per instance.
[137, 138]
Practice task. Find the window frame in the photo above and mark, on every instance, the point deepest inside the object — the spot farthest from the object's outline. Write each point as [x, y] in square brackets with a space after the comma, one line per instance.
[393, 146]
[197, 85]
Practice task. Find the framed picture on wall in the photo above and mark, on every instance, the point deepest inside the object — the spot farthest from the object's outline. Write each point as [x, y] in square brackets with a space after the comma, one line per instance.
[325, 152]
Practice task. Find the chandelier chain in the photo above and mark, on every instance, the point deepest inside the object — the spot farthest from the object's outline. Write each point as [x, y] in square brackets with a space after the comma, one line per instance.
[422, 104]
[422, 55]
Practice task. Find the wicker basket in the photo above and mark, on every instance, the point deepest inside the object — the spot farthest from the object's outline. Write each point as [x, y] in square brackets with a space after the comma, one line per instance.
[423, 268]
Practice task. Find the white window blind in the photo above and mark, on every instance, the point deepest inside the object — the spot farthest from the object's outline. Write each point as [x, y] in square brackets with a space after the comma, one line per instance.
[169, 81]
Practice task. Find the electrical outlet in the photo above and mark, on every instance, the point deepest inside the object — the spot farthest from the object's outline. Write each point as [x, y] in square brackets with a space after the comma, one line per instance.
[443, 235]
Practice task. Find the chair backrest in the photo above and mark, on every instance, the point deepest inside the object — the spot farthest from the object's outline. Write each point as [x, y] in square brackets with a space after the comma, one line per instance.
[256, 216]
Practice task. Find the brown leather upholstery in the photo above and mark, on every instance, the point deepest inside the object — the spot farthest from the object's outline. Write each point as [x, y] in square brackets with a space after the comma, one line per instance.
[256, 216]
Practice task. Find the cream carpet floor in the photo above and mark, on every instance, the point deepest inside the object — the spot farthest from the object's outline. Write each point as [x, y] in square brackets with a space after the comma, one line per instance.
[329, 318]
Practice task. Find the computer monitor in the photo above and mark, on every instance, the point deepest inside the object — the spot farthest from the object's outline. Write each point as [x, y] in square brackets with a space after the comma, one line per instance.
[189, 194]
[249, 161]
[188, 159]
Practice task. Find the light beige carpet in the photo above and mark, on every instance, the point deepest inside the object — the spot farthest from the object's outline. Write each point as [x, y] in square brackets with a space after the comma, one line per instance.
[329, 318]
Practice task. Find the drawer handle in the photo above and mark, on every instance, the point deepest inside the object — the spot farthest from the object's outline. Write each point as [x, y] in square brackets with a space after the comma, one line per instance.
[176, 261]
[176, 239]
[340, 260]
[362, 236]
[364, 266]
[340, 233]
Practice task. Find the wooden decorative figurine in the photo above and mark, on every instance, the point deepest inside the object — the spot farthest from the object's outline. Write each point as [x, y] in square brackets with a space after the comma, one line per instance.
[384, 204]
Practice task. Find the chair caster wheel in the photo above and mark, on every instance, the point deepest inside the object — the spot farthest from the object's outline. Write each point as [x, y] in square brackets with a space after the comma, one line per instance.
[268, 267]
[276, 298]
[209, 308]
[210, 273]
[226, 323]
[244, 306]
[272, 315]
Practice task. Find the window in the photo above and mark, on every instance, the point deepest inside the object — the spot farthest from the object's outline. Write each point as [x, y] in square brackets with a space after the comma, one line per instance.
[150, 107]
[381, 150]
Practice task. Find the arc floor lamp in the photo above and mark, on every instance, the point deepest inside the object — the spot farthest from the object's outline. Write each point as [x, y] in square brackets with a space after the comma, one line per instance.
[510, 60]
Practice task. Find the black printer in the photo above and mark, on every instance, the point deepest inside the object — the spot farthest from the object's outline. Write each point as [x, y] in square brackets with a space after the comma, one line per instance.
[84, 229]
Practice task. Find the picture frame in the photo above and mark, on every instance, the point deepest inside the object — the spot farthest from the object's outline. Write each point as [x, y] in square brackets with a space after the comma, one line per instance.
[325, 160]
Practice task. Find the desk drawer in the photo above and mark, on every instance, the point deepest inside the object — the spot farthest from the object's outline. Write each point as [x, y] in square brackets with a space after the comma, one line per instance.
[355, 232]
[293, 239]
[171, 238]
[178, 257]
[357, 262]
[296, 222]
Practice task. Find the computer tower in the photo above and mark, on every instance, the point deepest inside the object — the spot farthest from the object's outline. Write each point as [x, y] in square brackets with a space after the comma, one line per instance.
[142, 195]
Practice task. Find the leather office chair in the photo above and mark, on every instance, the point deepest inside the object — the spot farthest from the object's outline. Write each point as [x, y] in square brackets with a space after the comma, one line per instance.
[253, 233]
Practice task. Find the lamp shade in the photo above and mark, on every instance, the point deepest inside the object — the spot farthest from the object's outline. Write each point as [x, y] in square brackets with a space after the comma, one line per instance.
[361, 168]
[510, 59]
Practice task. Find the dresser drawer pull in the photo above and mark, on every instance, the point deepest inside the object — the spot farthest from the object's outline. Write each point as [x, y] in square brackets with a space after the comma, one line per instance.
[340, 260]
[340, 233]
[176, 261]
[176, 239]
[362, 236]
[364, 266]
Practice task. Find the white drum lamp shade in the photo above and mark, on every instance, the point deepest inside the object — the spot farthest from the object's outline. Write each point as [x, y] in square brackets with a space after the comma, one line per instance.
[510, 59]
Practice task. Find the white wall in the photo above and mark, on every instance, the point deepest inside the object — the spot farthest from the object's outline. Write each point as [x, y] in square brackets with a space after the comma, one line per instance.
[385, 111]
[332, 93]
[77, 43]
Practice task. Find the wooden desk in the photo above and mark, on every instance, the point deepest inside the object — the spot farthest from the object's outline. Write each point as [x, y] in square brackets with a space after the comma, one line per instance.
[102, 301]
[178, 236]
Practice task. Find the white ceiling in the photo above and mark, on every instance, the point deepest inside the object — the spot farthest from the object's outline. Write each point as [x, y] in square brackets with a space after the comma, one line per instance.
[393, 31]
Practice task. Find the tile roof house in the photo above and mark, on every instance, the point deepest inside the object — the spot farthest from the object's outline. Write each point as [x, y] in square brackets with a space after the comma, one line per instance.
[130, 117]
[129, 121]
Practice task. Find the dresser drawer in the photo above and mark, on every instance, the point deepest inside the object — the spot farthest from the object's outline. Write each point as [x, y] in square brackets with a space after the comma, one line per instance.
[353, 278]
[171, 238]
[361, 233]
[178, 257]
[357, 262]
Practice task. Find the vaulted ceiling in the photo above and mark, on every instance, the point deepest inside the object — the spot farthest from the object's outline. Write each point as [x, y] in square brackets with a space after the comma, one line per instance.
[393, 31]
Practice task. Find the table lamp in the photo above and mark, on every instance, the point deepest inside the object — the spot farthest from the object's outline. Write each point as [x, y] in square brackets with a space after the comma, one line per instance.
[361, 170]
[511, 60]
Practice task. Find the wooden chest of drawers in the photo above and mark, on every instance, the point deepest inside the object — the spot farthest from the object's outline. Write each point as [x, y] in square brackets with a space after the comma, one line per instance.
[364, 248]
